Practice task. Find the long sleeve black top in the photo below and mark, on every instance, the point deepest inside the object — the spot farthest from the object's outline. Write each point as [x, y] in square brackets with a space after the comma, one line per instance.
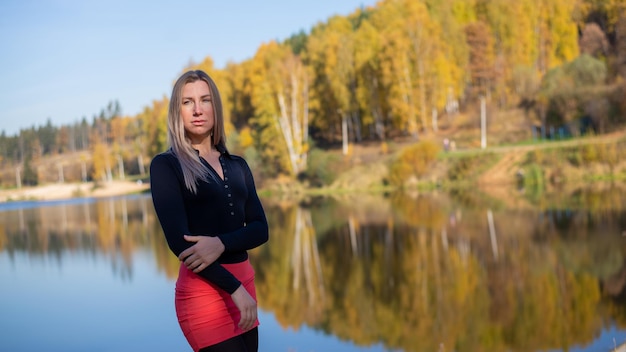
[228, 208]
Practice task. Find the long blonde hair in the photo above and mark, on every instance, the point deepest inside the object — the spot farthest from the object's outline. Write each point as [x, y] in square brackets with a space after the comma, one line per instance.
[193, 169]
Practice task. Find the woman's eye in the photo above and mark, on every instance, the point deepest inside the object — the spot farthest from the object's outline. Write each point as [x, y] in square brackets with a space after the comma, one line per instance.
[186, 102]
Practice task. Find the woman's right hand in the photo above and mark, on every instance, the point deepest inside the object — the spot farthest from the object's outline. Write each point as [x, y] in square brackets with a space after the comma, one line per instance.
[247, 307]
[204, 252]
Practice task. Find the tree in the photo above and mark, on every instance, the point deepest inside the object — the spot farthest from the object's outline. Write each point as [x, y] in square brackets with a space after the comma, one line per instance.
[369, 92]
[263, 86]
[566, 90]
[416, 68]
[330, 56]
[29, 177]
[283, 80]
[481, 59]
[101, 157]
[154, 124]
[593, 41]
[396, 69]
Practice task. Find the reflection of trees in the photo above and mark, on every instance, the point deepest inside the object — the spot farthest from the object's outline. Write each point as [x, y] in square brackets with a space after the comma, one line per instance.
[413, 272]
[305, 261]
[113, 227]
[290, 271]
[426, 273]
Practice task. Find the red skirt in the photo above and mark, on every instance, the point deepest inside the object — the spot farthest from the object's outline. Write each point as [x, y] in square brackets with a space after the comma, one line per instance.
[207, 314]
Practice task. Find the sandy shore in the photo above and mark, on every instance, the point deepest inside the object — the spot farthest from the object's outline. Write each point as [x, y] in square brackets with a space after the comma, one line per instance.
[59, 191]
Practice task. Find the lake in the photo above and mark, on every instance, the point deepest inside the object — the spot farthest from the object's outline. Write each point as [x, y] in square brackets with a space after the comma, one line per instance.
[398, 272]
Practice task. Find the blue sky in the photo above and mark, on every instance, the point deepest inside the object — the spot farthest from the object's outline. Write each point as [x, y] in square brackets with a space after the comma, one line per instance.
[66, 59]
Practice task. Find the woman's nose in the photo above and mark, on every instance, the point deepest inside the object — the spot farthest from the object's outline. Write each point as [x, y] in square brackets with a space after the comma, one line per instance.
[197, 109]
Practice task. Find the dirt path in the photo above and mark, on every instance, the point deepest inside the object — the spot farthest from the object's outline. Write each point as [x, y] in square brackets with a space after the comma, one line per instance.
[505, 170]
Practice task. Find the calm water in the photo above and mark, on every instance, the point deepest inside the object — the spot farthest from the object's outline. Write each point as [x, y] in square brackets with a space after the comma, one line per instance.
[429, 272]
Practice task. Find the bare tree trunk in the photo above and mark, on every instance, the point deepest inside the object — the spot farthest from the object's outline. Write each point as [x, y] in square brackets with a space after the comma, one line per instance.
[492, 234]
[18, 178]
[305, 124]
[286, 128]
[120, 165]
[61, 177]
[297, 136]
[108, 173]
[344, 134]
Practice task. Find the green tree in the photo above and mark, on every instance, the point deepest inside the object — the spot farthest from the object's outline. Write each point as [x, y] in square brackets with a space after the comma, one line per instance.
[566, 90]
[154, 123]
[29, 176]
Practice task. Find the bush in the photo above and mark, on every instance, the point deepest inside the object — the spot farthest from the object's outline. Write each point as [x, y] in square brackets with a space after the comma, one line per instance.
[533, 177]
[590, 153]
[413, 162]
[321, 168]
[469, 166]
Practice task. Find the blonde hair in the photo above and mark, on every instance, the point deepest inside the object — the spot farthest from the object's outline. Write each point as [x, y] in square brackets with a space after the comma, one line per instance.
[193, 169]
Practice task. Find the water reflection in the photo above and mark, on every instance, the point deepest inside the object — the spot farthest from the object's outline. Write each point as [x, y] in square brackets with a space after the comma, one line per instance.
[437, 272]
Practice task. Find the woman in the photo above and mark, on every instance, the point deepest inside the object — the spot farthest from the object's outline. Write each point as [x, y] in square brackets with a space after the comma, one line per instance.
[206, 202]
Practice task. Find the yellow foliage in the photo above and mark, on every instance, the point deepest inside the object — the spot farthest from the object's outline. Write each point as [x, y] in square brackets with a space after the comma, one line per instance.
[384, 147]
[245, 138]
[413, 162]
[101, 161]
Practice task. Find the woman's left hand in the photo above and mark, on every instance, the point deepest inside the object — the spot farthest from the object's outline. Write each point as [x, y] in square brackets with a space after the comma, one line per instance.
[247, 307]
[205, 251]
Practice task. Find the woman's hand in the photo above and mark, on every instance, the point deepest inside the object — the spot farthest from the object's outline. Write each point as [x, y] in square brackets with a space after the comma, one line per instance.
[247, 307]
[205, 251]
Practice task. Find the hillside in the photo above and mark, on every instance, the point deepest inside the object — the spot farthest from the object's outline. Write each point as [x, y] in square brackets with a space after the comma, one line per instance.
[510, 146]
[366, 167]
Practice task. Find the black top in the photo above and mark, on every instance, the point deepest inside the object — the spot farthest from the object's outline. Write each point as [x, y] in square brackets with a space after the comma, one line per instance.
[228, 208]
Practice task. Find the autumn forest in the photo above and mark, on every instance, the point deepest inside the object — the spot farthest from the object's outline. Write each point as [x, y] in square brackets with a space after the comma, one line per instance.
[381, 73]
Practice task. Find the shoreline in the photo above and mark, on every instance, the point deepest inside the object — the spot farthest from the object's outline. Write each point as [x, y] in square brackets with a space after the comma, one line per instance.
[61, 191]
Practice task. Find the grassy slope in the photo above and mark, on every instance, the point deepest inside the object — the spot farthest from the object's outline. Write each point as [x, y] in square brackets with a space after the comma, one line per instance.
[509, 142]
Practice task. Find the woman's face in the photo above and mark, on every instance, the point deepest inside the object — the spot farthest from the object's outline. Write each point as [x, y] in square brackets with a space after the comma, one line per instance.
[197, 110]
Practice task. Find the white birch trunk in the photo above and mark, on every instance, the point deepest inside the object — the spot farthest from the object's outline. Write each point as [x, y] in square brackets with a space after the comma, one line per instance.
[344, 134]
[305, 125]
[18, 178]
[61, 177]
[285, 127]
